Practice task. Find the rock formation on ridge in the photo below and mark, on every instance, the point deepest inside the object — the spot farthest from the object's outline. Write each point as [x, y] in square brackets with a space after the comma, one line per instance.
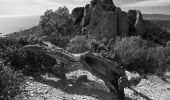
[103, 19]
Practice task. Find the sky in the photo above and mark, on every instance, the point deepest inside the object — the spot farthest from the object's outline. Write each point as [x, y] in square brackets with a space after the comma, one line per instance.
[12, 8]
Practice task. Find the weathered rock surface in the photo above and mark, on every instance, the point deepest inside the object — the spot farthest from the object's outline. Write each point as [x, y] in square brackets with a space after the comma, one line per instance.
[123, 24]
[102, 19]
[86, 15]
[137, 23]
[140, 24]
[77, 14]
[107, 2]
[132, 16]
[102, 23]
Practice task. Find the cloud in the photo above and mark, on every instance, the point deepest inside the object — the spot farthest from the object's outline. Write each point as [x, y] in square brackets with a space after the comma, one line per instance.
[149, 3]
[35, 7]
[73, 2]
[25, 7]
[38, 7]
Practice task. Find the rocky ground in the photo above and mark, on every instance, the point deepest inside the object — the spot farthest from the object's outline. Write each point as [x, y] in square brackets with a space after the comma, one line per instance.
[49, 87]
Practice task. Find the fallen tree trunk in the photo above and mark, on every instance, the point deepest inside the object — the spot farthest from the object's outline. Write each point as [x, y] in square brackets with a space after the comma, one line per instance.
[110, 72]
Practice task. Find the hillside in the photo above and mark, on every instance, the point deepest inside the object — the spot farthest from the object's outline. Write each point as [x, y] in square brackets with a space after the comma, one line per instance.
[156, 17]
[165, 24]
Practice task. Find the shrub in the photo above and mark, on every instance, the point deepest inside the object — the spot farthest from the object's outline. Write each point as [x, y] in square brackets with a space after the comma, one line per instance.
[160, 56]
[138, 55]
[32, 40]
[129, 48]
[6, 42]
[58, 21]
[23, 41]
[78, 44]
[16, 57]
[29, 62]
[60, 41]
[131, 53]
[10, 83]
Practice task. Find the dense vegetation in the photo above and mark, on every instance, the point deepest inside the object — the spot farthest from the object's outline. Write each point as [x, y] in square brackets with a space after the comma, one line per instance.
[133, 53]
[165, 24]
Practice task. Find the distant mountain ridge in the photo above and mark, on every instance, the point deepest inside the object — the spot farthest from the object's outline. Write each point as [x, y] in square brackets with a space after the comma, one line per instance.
[156, 17]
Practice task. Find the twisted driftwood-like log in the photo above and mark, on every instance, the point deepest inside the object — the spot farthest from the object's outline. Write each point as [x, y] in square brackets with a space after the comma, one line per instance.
[110, 72]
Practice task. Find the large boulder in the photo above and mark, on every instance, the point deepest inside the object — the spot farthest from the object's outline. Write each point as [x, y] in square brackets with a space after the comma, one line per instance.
[77, 15]
[107, 5]
[123, 23]
[132, 15]
[140, 24]
[136, 22]
[102, 19]
[110, 2]
[107, 2]
[102, 24]
[86, 16]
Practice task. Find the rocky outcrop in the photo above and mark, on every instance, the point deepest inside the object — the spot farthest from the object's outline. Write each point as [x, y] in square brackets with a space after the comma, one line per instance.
[137, 22]
[102, 23]
[140, 28]
[103, 19]
[107, 2]
[132, 16]
[86, 16]
[77, 14]
[123, 24]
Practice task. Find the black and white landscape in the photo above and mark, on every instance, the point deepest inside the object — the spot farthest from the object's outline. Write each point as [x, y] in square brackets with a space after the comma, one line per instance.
[85, 50]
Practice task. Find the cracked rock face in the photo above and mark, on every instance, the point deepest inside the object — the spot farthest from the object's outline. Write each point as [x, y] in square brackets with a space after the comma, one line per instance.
[103, 19]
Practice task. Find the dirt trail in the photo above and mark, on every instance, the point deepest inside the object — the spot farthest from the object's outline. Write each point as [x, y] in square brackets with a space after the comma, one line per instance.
[48, 87]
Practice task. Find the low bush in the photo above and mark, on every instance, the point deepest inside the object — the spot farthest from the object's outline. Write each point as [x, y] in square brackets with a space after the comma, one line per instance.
[130, 51]
[10, 83]
[136, 54]
[160, 55]
[23, 41]
[6, 42]
[29, 62]
[79, 44]
[60, 41]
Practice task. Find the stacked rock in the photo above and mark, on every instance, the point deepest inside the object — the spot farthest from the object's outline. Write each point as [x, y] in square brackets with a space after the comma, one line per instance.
[102, 19]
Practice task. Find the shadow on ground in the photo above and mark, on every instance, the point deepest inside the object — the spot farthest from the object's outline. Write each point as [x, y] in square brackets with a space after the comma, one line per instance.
[141, 92]
[71, 87]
